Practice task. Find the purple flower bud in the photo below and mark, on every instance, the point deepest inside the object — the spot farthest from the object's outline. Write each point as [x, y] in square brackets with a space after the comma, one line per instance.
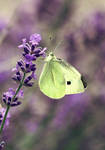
[42, 53]
[4, 95]
[29, 84]
[30, 57]
[24, 54]
[33, 75]
[37, 51]
[16, 68]
[15, 99]
[15, 104]
[22, 68]
[26, 50]
[27, 79]
[19, 102]
[18, 73]
[8, 103]
[35, 39]
[32, 47]
[14, 78]
[27, 65]
[37, 55]
[20, 94]
[20, 63]
[9, 99]
[32, 67]
[2, 144]
[19, 78]
[0, 115]
[24, 43]
[4, 100]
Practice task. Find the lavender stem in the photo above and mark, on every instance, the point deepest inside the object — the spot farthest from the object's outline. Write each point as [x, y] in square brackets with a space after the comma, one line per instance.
[8, 106]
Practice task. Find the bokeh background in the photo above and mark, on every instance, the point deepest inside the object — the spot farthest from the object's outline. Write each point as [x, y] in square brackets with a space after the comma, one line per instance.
[75, 122]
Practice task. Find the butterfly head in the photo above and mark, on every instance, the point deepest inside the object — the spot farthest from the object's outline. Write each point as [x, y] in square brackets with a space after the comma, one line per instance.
[50, 57]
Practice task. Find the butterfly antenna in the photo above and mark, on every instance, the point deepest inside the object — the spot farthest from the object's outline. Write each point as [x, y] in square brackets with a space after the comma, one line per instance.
[58, 45]
[49, 50]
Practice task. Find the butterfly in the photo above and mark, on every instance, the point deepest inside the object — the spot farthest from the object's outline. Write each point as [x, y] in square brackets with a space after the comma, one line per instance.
[58, 78]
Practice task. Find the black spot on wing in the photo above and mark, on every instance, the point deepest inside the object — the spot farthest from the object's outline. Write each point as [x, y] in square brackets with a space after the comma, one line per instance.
[84, 81]
[59, 59]
[68, 82]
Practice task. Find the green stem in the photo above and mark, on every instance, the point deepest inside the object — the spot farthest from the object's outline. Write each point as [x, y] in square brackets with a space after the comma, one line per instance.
[4, 119]
[8, 106]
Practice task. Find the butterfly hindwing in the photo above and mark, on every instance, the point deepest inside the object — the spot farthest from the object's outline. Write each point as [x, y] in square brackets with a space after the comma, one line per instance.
[73, 80]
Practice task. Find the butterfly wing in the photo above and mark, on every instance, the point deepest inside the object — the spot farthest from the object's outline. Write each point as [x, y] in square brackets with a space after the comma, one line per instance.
[75, 83]
[52, 80]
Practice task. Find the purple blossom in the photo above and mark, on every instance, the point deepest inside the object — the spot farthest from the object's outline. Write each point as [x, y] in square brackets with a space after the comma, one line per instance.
[35, 39]
[23, 43]
[8, 97]
[2, 145]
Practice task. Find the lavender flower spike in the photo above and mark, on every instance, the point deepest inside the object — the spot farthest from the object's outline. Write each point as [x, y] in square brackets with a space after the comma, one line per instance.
[31, 51]
[24, 74]
[25, 66]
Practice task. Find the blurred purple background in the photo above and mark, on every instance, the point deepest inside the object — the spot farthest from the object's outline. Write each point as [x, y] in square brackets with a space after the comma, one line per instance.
[76, 122]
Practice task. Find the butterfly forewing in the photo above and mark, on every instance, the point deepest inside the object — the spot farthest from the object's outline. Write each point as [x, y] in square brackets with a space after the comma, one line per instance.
[52, 81]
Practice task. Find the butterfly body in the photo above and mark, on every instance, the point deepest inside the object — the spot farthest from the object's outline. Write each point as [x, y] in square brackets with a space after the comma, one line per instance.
[58, 78]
